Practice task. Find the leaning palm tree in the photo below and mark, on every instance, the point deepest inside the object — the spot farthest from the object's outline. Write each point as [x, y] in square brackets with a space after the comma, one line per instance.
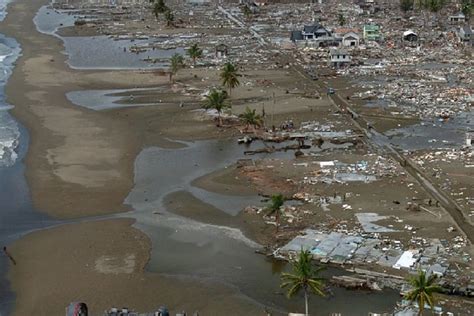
[195, 52]
[169, 17]
[177, 62]
[159, 7]
[217, 100]
[251, 118]
[423, 289]
[230, 76]
[276, 202]
[304, 277]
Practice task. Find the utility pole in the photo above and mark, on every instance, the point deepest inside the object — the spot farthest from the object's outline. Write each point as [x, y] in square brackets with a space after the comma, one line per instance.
[273, 107]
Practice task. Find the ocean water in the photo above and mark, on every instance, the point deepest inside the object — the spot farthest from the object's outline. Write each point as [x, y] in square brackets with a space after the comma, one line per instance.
[9, 131]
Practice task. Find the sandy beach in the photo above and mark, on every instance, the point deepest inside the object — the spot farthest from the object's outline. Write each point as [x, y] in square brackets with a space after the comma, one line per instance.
[102, 263]
[80, 163]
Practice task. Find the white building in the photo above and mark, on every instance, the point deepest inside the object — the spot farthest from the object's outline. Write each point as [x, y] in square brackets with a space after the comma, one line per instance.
[339, 58]
[350, 39]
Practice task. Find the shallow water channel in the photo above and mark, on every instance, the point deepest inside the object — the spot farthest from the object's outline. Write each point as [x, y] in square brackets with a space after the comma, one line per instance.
[188, 248]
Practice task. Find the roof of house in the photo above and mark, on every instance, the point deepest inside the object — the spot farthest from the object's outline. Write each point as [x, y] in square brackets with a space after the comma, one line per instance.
[337, 51]
[221, 46]
[343, 30]
[467, 29]
[409, 32]
[296, 36]
[351, 35]
[313, 28]
[458, 15]
[371, 27]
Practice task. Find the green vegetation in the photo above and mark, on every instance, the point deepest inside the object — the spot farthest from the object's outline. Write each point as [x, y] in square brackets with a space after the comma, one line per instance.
[195, 52]
[431, 5]
[159, 7]
[467, 8]
[423, 290]
[217, 100]
[177, 62]
[341, 19]
[305, 276]
[407, 5]
[169, 17]
[274, 207]
[246, 11]
[229, 77]
[251, 118]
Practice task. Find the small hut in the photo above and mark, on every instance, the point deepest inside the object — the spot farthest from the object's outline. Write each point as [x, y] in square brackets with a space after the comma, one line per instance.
[222, 50]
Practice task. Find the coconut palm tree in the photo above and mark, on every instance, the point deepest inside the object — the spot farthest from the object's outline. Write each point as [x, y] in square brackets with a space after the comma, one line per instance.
[195, 52]
[169, 17]
[247, 12]
[217, 100]
[230, 76]
[305, 277]
[341, 19]
[467, 7]
[423, 289]
[159, 7]
[177, 62]
[276, 202]
[406, 5]
[251, 118]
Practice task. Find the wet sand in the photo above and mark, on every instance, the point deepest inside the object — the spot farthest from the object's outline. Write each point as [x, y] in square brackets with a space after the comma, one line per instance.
[80, 163]
[102, 263]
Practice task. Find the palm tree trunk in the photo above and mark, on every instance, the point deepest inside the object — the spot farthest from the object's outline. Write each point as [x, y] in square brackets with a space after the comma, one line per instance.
[306, 302]
[277, 220]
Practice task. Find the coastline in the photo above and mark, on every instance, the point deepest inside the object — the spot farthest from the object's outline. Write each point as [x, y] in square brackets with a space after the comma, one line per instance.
[69, 148]
[83, 163]
[68, 141]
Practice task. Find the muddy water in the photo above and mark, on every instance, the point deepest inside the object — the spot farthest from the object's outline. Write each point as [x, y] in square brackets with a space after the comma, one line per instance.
[434, 134]
[188, 248]
[17, 215]
[100, 52]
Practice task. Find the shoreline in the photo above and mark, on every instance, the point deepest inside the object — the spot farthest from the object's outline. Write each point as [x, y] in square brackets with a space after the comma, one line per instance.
[44, 74]
[83, 163]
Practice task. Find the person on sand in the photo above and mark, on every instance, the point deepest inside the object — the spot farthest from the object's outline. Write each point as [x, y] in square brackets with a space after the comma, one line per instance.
[9, 255]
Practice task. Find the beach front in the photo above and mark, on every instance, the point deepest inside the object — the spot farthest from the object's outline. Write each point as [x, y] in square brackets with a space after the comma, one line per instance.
[144, 201]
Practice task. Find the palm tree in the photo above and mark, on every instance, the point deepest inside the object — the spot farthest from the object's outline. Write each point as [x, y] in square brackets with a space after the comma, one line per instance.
[195, 52]
[177, 62]
[423, 290]
[341, 20]
[251, 118]
[467, 7]
[246, 11]
[229, 76]
[406, 5]
[217, 100]
[169, 17]
[274, 207]
[159, 7]
[304, 277]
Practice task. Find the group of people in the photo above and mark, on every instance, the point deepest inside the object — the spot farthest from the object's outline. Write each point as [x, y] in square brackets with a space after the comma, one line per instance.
[287, 125]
